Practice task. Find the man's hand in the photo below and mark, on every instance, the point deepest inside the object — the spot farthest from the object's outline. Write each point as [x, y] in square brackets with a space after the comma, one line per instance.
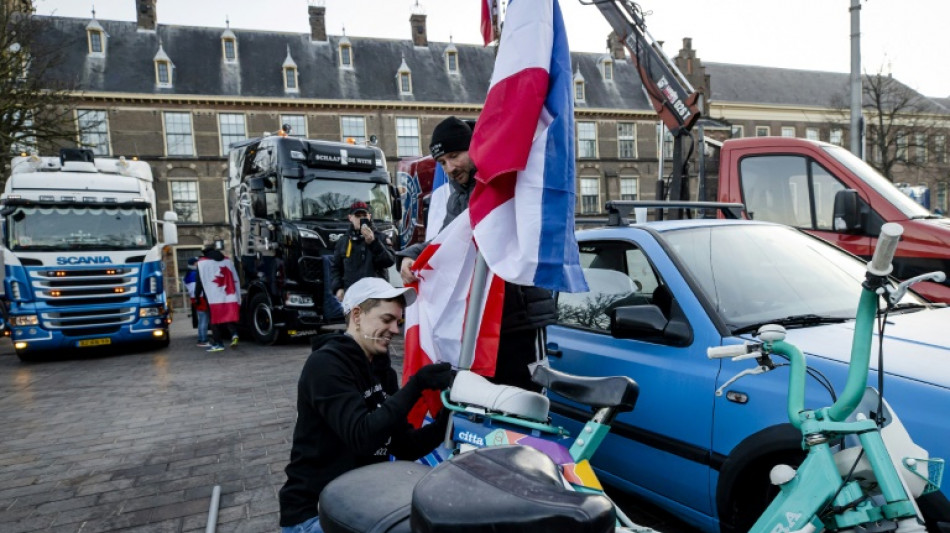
[405, 270]
[436, 376]
[367, 234]
[339, 295]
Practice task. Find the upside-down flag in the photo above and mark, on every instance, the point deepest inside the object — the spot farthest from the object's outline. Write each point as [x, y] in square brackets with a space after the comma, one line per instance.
[438, 202]
[522, 207]
[434, 323]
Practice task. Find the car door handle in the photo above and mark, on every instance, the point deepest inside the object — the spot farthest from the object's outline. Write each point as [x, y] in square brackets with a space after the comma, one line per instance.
[552, 351]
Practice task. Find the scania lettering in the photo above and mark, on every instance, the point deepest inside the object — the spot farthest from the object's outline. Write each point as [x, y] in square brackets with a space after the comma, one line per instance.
[82, 260]
[289, 199]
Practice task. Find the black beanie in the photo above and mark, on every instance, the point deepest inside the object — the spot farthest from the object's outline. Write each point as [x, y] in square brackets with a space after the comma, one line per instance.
[451, 135]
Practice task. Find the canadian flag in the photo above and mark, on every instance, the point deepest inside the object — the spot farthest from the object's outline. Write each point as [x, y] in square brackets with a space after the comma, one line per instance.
[219, 279]
[434, 323]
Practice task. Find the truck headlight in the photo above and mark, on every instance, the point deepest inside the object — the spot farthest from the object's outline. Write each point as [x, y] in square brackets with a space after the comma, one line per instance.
[150, 311]
[298, 300]
[24, 320]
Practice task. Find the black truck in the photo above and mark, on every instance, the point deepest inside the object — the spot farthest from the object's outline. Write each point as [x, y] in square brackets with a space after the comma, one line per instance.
[288, 200]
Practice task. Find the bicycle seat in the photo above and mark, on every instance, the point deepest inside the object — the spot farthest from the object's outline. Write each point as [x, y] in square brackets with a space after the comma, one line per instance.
[612, 391]
[471, 389]
[504, 489]
[387, 486]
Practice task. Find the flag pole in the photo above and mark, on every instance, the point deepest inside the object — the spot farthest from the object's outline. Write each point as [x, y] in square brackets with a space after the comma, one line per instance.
[474, 314]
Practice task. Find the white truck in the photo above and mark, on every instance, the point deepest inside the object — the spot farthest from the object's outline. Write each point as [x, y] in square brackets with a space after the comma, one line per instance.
[82, 260]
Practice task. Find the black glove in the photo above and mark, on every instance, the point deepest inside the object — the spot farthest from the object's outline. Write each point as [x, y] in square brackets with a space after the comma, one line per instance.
[436, 376]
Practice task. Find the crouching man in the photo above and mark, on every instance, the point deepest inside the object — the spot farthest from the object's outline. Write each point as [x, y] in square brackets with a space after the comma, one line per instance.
[350, 410]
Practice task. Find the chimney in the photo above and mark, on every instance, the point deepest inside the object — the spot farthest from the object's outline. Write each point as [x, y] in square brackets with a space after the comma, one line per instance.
[318, 22]
[145, 15]
[617, 49]
[418, 23]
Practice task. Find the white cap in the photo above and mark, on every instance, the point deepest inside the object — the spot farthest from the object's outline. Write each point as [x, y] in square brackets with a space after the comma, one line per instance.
[373, 287]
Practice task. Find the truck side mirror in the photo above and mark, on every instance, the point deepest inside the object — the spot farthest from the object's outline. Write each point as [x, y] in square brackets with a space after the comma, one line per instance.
[397, 204]
[170, 228]
[847, 216]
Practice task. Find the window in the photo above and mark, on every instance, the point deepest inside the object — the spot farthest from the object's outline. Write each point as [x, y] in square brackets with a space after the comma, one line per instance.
[297, 123]
[231, 126]
[762, 131]
[586, 140]
[788, 131]
[163, 74]
[590, 195]
[942, 196]
[405, 83]
[95, 42]
[940, 148]
[407, 137]
[737, 131]
[812, 134]
[178, 138]
[836, 137]
[184, 196]
[920, 148]
[353, 128]
[627, 140]
[901, 146]
[230, 50]
[452, 61]
[290, 79]
[607, 69]
[628, 188]
[667, 141]
[617, 273]
[346, 55]
[776, 189]
[579, 90]
[182, 255]
[94, 130]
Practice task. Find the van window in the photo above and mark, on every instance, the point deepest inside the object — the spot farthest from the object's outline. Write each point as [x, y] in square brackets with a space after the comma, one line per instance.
[789, 189]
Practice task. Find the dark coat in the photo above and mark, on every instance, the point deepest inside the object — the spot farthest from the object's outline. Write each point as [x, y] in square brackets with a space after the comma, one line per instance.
[354, 260]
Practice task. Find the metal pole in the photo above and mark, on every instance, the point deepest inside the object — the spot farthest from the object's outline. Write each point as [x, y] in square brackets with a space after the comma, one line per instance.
[856, 130]
[661, 161]
[702, 164]
[213, 509]
[473, 317]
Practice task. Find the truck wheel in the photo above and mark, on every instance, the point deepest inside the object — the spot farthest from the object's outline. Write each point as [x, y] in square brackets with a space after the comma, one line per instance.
[262, 320]
[164, 341]
[26, 357]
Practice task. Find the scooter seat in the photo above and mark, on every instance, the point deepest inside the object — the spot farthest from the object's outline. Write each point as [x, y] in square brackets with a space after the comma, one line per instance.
[471, 389]
[505, 489]
[371, 499]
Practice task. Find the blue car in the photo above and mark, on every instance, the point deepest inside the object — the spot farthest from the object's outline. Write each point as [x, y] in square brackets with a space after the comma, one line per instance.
[662, 292]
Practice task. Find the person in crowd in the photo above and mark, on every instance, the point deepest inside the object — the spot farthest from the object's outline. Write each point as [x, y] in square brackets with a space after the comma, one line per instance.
[527, 310]
[219, 285]
[362, 252]
[199, 306]
[350, 410]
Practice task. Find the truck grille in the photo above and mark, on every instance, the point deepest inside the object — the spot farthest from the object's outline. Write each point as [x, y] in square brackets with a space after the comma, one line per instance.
[87, 287]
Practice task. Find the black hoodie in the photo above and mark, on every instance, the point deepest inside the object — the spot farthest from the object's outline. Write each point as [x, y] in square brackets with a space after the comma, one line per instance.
[349, 414]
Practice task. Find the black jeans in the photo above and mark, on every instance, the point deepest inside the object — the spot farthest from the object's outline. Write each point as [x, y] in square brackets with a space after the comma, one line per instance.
[222, 332]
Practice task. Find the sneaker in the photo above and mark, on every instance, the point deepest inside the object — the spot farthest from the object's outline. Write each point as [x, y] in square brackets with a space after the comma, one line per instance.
[234, 341]
[215, 348]
[204, 344]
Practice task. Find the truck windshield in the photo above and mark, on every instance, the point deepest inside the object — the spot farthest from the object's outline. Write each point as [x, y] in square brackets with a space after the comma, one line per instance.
[331, 199]
[879, 183]
[79, 228]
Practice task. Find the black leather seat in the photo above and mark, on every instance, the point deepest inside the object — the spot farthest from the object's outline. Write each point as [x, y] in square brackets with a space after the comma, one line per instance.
[505, 489]
[371, 499]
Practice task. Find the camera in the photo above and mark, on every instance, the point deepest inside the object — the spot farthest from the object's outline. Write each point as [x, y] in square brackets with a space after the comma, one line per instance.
[366, 222]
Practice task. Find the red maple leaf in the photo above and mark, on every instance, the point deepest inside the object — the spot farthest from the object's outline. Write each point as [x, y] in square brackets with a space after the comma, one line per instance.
[225, 280]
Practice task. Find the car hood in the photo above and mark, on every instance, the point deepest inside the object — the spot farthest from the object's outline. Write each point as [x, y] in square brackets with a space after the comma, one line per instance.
[916, 344]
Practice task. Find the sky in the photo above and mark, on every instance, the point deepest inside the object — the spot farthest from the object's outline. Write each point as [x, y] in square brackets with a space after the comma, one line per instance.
[905, 38]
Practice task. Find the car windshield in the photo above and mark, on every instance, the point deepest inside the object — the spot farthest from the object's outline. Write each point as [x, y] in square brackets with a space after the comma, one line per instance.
[754, 274]
[331, 199]
[79, 228]
[879, 183]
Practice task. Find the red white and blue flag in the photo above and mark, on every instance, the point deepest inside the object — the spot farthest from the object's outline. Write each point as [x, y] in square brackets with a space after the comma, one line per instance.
[220, 282]
[438, 202]
[522, 208]
[488, 22]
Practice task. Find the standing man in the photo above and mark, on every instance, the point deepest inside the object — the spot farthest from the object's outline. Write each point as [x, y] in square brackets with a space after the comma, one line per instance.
[350, 410]
[362, 252]
[199, 306]
[527, 310]
[219, 284]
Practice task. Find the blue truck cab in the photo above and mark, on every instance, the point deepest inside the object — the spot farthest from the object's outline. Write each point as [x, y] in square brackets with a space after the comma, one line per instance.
[82, 260]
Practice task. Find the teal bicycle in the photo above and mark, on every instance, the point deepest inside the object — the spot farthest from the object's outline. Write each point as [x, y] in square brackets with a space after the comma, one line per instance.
[862, 471]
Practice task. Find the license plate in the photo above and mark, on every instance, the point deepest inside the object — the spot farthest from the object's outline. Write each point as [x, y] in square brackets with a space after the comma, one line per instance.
[94, 342]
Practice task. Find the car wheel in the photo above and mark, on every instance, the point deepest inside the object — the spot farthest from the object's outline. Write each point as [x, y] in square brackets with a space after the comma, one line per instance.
[262, 320]
[753, 491]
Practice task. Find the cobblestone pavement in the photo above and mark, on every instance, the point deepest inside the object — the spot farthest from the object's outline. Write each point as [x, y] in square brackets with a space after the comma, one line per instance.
[98, 441]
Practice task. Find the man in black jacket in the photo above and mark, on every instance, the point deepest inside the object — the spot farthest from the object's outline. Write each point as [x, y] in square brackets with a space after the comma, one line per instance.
[350, 411]
[362, 252]
[527, 310]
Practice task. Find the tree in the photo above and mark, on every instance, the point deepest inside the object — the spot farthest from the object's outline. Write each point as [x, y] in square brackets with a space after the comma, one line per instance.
[37, 106]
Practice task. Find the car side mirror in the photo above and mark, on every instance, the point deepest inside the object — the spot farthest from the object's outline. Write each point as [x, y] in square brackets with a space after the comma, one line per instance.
[637, 322]
[847, 215]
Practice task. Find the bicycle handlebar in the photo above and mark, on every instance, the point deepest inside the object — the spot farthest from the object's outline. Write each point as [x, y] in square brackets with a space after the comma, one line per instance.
[732, 350]
[880, 264]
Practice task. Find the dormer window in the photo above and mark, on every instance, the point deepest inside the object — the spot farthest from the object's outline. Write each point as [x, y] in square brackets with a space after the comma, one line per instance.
[607, 69]
[163, 68]
[452, 59]
[229, 44]
[579, 92]
[291, 84]
[96, 36]
[404, 78]
[346, 53]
